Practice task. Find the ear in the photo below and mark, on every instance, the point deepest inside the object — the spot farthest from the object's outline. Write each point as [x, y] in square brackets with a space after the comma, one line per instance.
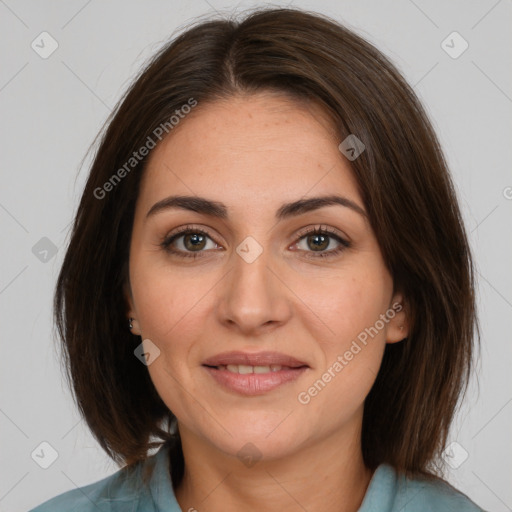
[398, 325]
[131, 315]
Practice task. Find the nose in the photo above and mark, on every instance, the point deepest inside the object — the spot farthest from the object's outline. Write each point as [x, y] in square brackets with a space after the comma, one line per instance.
[253, 297]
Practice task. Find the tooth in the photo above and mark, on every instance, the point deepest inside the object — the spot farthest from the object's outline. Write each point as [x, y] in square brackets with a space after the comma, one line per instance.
[247, 369]
[221, 367]
[261, 369]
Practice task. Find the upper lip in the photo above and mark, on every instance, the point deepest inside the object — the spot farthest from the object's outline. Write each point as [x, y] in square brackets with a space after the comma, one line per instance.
[254, 359]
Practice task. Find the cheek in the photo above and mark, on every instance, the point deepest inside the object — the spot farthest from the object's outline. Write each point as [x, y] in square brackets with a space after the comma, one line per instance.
[352, 348]
[344, 306]
[167, 300]
[170, 306]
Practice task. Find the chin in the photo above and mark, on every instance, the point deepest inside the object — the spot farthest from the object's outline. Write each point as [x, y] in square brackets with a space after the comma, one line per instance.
[257, 441]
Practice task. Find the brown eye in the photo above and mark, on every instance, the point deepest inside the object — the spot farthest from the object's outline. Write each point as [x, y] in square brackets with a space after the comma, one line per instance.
[317, 240]
[194, 241]
[188, 243]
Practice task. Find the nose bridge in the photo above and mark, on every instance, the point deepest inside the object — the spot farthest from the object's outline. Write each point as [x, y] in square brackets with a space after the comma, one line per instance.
[252, 295]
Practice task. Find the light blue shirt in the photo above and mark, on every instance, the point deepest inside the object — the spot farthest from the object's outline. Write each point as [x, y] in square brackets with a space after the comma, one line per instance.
[386, 492]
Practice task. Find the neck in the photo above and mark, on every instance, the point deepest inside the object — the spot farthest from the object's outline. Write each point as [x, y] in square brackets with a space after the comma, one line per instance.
[328, 475]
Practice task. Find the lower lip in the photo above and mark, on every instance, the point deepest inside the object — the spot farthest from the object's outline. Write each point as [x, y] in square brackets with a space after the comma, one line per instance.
[254, 383]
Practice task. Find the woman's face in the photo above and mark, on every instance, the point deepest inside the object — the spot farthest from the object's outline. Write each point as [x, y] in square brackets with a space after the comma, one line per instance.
[250, 277]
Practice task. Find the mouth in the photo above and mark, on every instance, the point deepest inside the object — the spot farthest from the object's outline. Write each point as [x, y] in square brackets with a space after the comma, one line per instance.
[254, 360]
[253, 374]
[244, 369]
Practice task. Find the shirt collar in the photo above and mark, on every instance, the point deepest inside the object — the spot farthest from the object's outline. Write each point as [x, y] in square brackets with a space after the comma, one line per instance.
[379, 495]
[160, 483]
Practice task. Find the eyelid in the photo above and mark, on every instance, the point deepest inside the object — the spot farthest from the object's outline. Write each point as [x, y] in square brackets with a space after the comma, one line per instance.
[342, 239]
[324, 229]
[183, 230]
[302, 233]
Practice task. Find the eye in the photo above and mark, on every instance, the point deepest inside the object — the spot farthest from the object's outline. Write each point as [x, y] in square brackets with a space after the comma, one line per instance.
[188, 242]
[318, 240]
[191, 242]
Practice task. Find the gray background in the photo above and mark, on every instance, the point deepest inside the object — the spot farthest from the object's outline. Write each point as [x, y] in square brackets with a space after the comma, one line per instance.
[51, 110]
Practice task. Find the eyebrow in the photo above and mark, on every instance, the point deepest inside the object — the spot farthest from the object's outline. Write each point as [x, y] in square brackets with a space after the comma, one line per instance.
[217, 209]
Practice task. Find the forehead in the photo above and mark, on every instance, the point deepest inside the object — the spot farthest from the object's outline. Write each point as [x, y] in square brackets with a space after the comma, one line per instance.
[248, 149]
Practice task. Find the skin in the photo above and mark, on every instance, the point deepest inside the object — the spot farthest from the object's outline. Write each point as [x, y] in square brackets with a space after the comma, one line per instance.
[254, 153]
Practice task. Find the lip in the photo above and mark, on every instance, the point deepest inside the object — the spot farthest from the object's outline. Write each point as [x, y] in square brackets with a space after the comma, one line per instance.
[254, 359]
[251, 384]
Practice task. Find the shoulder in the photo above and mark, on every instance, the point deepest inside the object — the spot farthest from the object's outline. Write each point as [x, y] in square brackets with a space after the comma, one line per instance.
[423, 495]
[121, 491]
[392, 492]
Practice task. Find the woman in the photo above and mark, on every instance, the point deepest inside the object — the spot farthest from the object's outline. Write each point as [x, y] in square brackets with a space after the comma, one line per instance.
[269, 281]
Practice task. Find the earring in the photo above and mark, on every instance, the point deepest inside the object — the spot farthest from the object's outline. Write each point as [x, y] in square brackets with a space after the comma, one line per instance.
[130, 323]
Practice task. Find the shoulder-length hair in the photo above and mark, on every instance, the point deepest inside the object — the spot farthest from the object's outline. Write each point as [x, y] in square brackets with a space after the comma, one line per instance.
[404, 183]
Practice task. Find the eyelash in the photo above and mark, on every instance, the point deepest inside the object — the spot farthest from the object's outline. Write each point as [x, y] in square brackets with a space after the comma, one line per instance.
[166, 244]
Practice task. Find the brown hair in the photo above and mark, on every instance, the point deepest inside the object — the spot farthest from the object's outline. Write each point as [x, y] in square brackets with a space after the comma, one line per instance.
[406, 189]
